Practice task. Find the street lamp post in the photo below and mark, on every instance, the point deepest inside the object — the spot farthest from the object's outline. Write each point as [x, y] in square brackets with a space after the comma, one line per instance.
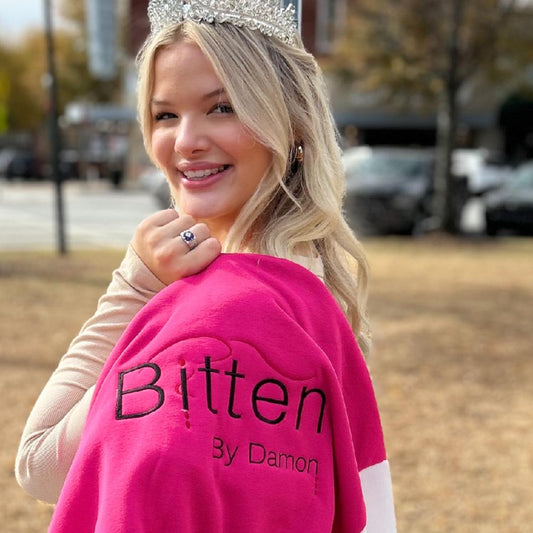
[54, 129]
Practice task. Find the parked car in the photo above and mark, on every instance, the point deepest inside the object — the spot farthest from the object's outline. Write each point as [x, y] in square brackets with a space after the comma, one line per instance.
[485, 171]
[6, 155]
[511, 207]
[17, 163]
[388, 190]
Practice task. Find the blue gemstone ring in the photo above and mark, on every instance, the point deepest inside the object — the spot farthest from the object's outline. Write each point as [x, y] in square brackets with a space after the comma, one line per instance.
[189, 239]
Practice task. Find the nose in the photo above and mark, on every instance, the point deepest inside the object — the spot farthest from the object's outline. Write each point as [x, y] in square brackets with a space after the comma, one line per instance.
[191, 137]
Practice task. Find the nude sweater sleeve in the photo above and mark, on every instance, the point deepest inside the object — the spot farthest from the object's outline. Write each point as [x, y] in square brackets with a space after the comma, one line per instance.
[53, 430]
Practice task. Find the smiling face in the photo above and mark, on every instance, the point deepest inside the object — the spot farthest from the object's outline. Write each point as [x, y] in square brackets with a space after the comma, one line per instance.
[212, 162]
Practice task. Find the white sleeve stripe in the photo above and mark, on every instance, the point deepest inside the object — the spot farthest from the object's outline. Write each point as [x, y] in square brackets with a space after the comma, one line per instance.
[377, 492]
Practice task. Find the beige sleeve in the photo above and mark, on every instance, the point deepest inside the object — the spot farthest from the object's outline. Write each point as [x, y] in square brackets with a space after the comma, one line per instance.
[53, 430]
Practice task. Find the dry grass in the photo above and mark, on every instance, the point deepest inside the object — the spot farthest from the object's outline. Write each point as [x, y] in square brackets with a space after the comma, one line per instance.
[454, 376]
[451, 367]
[45, 301]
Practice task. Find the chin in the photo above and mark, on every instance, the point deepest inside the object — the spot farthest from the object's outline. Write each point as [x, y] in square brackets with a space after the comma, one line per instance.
[208, 215]
[199, 213]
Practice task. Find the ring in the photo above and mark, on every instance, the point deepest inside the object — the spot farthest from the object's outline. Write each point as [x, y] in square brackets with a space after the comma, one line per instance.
[189, 239]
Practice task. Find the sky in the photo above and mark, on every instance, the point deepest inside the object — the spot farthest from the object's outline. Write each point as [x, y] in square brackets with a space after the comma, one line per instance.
[18, 16]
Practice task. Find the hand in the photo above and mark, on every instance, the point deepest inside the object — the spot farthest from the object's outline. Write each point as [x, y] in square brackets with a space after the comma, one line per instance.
[158, 243]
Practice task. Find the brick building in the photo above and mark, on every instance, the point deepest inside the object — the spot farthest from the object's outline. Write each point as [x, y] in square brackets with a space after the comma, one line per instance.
[320, 21]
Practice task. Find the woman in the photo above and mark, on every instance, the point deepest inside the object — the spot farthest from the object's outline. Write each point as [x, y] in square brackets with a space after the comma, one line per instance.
[232, 373]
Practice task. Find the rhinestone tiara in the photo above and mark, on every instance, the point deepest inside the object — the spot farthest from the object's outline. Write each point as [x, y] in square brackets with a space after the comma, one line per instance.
[267, 16]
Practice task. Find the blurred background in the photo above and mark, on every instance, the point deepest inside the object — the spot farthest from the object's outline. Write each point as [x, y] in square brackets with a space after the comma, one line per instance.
[433, 101]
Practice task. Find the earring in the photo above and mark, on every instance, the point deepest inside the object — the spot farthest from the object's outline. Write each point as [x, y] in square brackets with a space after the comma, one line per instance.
[300, 153]
[296, 158]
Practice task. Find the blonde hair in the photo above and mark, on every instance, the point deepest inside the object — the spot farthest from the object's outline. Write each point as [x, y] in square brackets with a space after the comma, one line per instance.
[279, 94]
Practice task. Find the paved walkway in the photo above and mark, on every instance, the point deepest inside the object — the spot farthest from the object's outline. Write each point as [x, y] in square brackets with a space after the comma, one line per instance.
[96, 216]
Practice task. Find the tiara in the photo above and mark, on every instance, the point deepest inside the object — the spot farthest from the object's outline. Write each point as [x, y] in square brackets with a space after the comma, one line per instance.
[267, 16]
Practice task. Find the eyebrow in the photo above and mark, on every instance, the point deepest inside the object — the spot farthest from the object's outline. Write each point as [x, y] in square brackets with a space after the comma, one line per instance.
[217, 92]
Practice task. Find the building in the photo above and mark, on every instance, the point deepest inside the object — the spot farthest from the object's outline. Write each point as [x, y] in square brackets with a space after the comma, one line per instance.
[321, 19]
[362, 117]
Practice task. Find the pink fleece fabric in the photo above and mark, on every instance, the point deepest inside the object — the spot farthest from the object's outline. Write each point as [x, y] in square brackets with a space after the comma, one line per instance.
[236, 401]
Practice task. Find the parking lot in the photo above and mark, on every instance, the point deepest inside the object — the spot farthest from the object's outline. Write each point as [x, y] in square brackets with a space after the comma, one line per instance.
[96, 215]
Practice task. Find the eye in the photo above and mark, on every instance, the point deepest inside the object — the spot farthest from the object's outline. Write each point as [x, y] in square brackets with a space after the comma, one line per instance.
[222, 108]
[164, 116]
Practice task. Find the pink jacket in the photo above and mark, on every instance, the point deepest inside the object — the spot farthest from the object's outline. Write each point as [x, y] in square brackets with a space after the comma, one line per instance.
[236, 401]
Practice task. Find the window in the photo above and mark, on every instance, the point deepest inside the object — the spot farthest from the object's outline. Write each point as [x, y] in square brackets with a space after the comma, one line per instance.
[331, 15]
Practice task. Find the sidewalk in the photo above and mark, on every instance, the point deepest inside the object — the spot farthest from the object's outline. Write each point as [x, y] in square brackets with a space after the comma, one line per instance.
[96, 215]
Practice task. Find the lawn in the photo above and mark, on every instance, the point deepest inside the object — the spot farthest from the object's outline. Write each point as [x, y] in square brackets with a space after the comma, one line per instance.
[451, 365]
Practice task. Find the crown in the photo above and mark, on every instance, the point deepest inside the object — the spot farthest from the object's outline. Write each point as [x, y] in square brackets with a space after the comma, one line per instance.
[267, 16]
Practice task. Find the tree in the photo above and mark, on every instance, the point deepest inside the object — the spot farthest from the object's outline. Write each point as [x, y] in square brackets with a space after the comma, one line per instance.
[26, 67]
[24, 64]
[21, 92]
[74, 12]
[428, 51]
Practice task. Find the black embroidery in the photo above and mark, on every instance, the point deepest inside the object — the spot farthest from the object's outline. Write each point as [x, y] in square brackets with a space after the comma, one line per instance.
[234, 375]
[304, 394]
[256, 398]
[184, 392]
[150, 386]
[208, 370]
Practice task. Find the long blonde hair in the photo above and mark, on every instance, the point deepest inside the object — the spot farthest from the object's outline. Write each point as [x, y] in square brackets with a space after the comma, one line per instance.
[278, 93]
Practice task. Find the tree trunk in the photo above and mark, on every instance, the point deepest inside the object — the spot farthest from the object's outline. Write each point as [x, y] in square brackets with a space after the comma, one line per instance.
[445, 202]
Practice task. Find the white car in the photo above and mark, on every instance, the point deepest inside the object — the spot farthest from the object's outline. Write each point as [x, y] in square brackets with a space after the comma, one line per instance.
[482, 173]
